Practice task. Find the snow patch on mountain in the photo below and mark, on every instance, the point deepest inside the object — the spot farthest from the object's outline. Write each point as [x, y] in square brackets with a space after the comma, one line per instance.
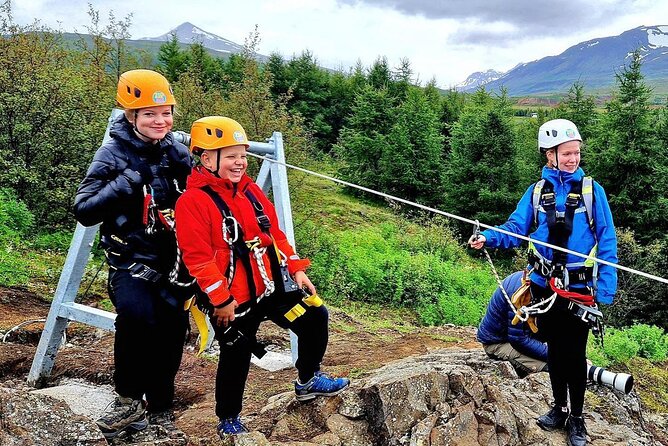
[658, 37]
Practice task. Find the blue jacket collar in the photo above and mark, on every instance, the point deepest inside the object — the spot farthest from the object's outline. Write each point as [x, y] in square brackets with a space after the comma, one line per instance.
[560, 177]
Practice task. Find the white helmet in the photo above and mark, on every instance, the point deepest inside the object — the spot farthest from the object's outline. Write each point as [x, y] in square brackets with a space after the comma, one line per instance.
[555, 132]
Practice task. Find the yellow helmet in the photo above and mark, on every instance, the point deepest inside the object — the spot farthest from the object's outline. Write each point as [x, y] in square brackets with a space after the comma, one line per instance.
[216, 132]
[142, 89]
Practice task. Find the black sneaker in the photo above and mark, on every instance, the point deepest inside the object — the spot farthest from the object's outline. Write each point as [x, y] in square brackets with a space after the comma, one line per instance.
[577, 432]
[554, 419]
[165, 422]
[125, 414]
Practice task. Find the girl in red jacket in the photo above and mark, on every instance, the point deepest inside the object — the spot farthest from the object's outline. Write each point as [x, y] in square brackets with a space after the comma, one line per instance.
[228, 232]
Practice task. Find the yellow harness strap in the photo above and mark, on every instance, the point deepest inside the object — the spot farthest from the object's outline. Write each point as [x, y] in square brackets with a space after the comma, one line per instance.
[200, 321]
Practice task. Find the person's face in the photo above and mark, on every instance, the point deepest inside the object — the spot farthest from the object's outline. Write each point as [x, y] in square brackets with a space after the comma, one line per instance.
[567, 155]
[154, 122]
[232, 165]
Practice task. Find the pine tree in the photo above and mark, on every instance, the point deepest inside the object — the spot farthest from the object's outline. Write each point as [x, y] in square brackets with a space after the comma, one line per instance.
[412, 165]
[627, 159]
[172, 61]
[482, 179]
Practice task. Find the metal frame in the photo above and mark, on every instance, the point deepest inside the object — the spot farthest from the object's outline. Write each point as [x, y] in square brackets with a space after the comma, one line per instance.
[272, 176]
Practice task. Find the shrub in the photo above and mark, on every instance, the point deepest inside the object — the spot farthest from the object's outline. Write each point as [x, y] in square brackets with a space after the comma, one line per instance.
[619, 347]
[384, 265]
[15, 218]
[653, 342]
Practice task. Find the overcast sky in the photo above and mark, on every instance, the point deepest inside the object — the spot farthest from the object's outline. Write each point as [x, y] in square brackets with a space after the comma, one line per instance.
[444, 39]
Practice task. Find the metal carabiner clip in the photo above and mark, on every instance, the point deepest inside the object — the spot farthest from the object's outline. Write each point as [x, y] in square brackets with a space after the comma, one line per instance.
[227, 230]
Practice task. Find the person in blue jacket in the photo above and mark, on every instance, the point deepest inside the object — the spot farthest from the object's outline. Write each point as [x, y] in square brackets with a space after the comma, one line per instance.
[505, 341]
[569, 210]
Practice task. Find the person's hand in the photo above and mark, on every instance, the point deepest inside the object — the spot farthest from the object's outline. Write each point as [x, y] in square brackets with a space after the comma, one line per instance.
[303, 281]
[477, 241]
[224, 315]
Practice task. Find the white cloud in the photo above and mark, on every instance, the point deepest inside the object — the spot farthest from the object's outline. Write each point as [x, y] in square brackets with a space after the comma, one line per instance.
[449, 44]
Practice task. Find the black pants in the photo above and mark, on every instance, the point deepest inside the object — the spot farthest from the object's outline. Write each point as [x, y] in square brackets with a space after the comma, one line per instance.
[150, 333]
[234, 361]
[566, 337]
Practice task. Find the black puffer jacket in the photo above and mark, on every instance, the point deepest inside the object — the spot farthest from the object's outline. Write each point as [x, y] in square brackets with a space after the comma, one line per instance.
[112, 194]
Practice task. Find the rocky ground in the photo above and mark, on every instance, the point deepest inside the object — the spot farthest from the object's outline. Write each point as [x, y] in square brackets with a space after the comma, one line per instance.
[412, 386]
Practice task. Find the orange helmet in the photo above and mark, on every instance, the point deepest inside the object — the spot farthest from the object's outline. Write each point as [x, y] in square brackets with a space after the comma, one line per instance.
[142, 89]
[216, 132]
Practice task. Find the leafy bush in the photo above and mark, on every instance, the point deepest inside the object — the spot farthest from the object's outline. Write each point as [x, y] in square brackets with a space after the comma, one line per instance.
[652, 340]
[383, 265]
[53, 241]
[15, 218]
[621, 345]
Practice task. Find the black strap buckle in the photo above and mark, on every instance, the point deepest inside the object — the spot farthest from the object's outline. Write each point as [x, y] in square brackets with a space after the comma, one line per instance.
[264, 222]
[141, 271]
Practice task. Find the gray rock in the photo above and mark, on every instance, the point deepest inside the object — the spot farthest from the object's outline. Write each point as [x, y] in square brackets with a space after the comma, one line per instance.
[29, 419]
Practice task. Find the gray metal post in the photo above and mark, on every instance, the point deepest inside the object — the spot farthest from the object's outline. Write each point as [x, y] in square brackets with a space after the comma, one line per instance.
[64, 309]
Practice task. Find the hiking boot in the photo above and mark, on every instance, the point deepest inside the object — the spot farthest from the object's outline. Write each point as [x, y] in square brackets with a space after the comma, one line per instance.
[165, 422]
[577, 432]
[125, 414]
[554, 419]
[231, 426]
[320, 385]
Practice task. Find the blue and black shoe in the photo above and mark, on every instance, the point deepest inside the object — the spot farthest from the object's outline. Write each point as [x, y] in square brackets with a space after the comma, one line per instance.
[231, 426]
[321, 384]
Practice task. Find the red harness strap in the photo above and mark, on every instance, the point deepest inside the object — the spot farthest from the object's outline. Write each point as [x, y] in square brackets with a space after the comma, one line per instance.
[584, 299]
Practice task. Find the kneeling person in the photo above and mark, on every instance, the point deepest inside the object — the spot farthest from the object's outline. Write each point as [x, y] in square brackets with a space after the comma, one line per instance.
[506, 341]
[228, 232]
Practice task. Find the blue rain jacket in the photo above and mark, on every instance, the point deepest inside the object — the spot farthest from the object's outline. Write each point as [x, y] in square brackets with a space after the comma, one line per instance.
[581, 239]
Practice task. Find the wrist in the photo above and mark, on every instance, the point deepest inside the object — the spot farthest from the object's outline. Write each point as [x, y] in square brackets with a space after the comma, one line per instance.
[225, 303]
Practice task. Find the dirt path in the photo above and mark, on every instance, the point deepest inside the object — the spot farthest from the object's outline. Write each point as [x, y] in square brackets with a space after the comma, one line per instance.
[356, 347]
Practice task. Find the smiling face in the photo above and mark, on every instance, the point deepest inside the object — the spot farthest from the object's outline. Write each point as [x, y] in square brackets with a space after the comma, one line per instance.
[565, 157]
[153, 123]
[230, 163]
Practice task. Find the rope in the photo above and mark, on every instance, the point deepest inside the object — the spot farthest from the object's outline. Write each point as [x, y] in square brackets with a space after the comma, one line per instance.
[464, 219]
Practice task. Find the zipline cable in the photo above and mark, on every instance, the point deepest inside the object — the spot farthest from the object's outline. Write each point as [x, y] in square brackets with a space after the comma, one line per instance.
[464, 219]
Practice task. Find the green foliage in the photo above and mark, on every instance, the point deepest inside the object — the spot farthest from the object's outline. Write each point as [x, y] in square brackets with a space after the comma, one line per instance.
[482, 178]
[172, 62]
[411, 167]
[639, 299]
[58, 241]
[622, 345]
[385, 265]
[652, 340]
[580, 109]
[619, 347]
[52, 116]
[16, 220]
[627, 160]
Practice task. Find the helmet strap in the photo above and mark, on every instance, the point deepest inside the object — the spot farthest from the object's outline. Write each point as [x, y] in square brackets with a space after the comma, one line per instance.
[215, 172]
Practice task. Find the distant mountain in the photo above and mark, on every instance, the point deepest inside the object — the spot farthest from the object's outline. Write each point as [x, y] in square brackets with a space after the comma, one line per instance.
[477, 79]
[188, 33]
[594, 63]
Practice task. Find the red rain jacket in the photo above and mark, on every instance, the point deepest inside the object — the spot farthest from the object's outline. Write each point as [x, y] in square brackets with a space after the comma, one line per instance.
[199, 234]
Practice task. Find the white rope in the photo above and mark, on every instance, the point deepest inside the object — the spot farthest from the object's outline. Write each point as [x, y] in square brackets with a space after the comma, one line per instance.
[464, 219]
